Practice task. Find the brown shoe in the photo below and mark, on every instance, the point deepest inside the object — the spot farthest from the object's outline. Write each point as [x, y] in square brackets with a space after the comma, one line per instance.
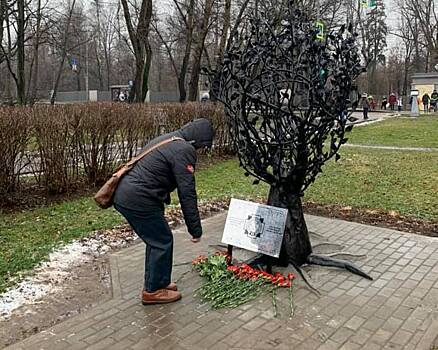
[161, 296]
[172, 286]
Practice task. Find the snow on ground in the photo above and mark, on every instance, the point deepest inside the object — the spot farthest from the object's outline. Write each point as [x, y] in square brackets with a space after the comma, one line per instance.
[48, 277]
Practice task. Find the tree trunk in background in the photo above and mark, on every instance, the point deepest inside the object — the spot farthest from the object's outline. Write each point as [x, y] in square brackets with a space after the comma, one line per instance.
[97, 46]
[147, 67]
[187, 51]
[78, 81]
[140, 43]
[108, 69]
[427, 62]
[405, 81]
[2, 19]
[296, 245]
[199, 48]
[214, 88]
[36, 53]
[371, 70]
[21, 85]
[224, 35]
[99, 67]
[63, 53]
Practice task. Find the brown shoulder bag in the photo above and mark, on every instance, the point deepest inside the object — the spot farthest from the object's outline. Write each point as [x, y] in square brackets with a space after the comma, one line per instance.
[104, 197]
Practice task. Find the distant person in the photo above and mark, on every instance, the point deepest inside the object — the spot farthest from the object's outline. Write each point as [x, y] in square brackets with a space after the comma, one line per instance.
[205, 97]
[384, 103]
[399, 103]
[372, 102]
[434, 100]
[365, 106]
[425, 99]
[392, 101]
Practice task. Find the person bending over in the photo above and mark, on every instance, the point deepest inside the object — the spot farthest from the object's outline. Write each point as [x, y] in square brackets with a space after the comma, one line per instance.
[142, 193]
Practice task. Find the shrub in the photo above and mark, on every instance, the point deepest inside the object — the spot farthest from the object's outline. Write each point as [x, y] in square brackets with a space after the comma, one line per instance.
[58, 158]
[14, 138]
[69, 144]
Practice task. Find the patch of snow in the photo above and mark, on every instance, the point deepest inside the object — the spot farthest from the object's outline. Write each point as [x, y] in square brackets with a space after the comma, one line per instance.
[48, 277]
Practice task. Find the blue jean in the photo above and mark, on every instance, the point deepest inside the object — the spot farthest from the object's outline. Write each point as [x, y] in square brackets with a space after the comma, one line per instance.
[152, 228]
[365, 113]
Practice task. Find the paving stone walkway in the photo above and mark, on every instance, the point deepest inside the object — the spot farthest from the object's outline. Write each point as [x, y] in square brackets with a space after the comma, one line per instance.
[393, 148]
[398, 310]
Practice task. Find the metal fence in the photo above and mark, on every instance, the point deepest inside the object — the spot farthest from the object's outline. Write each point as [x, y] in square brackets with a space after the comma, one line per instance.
[71, 96]
[164, 96]
[103, 96]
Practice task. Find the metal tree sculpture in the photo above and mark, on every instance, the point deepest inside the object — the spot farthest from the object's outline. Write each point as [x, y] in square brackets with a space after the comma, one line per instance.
[286, 94]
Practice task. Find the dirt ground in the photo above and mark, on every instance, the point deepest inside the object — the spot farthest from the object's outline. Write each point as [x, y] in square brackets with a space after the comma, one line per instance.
[88, 285]
[391, 219]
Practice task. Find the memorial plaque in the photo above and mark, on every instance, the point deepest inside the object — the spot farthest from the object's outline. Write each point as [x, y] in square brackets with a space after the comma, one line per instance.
[255, 227]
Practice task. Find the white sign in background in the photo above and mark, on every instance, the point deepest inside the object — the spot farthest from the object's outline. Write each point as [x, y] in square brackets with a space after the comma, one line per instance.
[255, 227]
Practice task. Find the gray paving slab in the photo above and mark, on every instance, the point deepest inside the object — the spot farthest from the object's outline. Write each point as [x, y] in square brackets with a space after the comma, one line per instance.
[398, 310]
[394, 148]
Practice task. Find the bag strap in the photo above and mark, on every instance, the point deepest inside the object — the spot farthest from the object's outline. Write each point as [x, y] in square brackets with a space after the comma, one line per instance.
[134, 160]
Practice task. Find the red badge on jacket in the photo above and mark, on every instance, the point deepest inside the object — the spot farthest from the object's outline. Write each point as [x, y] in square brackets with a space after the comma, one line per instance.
[190, 168]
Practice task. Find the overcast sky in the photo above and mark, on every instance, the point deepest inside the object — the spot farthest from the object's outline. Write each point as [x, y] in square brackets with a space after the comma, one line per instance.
[392, 14]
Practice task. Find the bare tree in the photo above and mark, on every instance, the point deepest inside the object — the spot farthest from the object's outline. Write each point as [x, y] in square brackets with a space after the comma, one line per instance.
[108, 38]
[185, 15]
[21, 22]
[3, 14]
[63, 51]
[199, 49]
[187, 49]
[231, 37]
[139, 38]
[21, 83]
[426, 16]
[98, 42]
[409, 39]
[376, 31]
[36, 53]
[15, 10]
[224, 35]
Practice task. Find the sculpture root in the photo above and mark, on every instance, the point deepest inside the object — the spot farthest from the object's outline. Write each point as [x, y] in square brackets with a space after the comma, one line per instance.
[315, 259]
[312, 288]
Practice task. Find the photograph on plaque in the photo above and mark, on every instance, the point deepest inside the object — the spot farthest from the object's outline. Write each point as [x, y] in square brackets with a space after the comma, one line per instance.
[255, 227]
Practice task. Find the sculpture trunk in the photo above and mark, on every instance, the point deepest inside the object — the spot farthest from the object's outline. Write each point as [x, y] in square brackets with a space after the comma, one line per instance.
[296, 245]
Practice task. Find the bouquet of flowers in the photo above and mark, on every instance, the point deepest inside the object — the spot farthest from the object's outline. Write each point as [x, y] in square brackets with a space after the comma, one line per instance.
[233, 285]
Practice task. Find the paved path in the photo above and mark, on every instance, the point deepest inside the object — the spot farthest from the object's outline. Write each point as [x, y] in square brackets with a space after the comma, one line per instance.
[393, 148]
[398, 310]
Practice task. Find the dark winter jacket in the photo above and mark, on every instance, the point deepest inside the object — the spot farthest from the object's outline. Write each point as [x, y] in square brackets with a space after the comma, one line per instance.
[365, 103]
[166, 168]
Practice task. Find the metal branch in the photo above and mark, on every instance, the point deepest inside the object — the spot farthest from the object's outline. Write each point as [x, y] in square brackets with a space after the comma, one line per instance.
[321, 260]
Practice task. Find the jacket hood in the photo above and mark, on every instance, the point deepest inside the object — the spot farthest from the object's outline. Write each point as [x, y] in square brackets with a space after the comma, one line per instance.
[199, 133]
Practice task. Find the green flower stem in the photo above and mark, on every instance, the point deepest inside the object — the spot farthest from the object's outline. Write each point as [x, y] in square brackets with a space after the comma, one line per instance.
[291, 302]
[274, 300]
